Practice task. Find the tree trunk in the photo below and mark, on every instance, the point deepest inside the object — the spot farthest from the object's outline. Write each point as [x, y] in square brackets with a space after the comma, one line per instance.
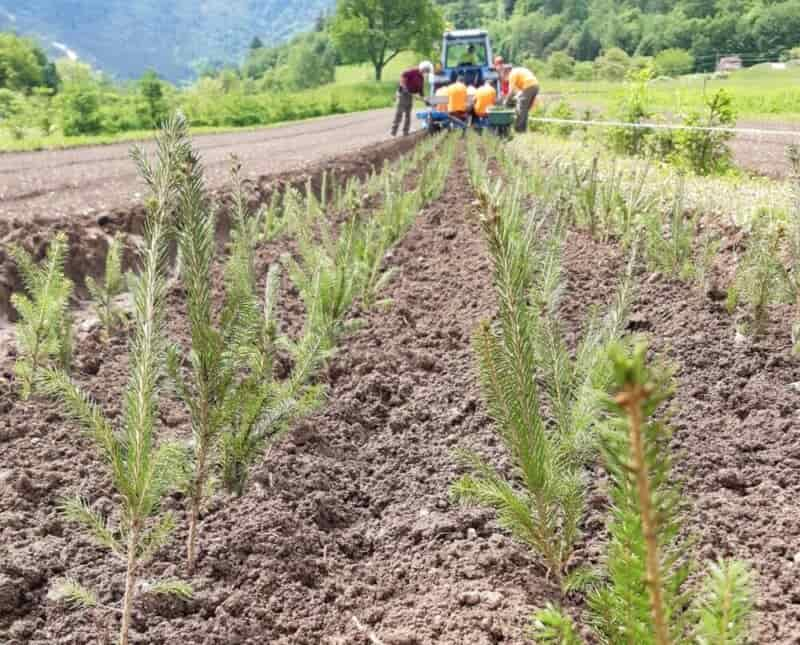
[378, 71]
[130, 583]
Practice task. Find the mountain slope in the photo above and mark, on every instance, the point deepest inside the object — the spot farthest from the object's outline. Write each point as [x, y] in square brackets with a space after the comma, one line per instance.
[126, 37]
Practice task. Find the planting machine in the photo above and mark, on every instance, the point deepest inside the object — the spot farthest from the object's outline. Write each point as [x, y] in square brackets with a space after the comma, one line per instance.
[466, 53]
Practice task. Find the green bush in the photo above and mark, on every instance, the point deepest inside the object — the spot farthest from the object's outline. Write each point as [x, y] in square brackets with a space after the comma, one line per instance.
[632, 108]
[673, 62]
[707, 152]
[80, 111]
[612, 65]
[562, 110]
[560, 65]
[584, 71]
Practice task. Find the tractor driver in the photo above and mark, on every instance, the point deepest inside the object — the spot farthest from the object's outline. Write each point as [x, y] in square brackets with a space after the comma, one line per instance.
[412, 82]
[468, 59]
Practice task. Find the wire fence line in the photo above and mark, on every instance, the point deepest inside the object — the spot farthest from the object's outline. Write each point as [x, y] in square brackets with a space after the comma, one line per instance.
[795, 134]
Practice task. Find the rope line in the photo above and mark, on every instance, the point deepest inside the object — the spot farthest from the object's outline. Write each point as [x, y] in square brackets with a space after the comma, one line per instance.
[668, 126]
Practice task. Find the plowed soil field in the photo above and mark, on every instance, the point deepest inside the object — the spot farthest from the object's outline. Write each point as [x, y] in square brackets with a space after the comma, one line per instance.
[349, 536]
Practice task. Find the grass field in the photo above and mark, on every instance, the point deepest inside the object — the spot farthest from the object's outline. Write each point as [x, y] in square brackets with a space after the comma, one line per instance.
[759, 92]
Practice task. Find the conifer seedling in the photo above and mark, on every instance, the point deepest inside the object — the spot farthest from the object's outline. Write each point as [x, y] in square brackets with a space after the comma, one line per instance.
[141, 469]
[44, 331]
[103, 295]
[234, 401]
[645, 596]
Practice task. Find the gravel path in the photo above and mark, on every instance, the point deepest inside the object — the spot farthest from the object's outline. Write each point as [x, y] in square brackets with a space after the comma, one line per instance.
[90, 180]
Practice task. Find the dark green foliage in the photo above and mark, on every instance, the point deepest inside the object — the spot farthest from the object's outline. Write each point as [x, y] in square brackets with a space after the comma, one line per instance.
[23, 65]
[673, 62]
[80, 110]
[560, 65]
[378, 30]
[155, 104]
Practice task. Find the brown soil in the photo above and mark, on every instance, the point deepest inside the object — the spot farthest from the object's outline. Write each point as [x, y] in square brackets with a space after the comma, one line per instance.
[89, 237]
[87, 182]
[736, 417]
[349, 535]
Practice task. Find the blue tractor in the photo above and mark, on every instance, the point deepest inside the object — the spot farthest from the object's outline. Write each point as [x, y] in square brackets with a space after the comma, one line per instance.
[466, 53]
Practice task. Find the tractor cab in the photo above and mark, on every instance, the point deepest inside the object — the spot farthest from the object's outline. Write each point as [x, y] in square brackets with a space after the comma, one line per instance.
[466, 53]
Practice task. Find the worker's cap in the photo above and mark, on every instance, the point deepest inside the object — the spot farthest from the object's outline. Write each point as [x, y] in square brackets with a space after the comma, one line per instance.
[498, 61]
[426, 67]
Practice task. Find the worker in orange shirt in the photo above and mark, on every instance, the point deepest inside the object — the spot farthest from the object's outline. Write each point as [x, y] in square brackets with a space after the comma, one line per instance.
[524, 87]
[485, 97]
[457, 99]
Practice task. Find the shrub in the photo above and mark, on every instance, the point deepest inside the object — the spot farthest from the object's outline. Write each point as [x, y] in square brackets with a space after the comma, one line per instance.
[80, 110]
[560, 65]
[702, 151]
[632, 108]
[155, 107]
[612, 65]
[583, 71]
[562, 110]
[673, 62]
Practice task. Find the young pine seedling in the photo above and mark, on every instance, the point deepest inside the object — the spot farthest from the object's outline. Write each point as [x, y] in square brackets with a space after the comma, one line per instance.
[44, 331]
[234, 403]
[760, 274]
[141, 470]
[110, 315]
[543, 505]
[644, 598]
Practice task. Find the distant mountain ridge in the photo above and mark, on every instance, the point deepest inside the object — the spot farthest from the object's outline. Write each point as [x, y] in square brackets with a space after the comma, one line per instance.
[126, 37]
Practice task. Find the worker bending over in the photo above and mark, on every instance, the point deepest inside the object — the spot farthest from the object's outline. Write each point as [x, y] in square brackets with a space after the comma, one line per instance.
[524, 87]
[485, 97]
[412, 82]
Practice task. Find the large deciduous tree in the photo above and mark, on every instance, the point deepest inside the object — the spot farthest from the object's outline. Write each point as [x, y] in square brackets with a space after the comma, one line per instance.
[378, 30]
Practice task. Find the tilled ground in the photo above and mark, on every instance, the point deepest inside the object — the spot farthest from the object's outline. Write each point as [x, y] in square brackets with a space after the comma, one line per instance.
[89, 238]
[91, 181]
[736, 416]
[348, 535]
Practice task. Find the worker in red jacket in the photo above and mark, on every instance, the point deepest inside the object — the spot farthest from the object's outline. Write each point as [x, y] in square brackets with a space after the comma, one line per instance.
[412, 82]
[500, 66]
